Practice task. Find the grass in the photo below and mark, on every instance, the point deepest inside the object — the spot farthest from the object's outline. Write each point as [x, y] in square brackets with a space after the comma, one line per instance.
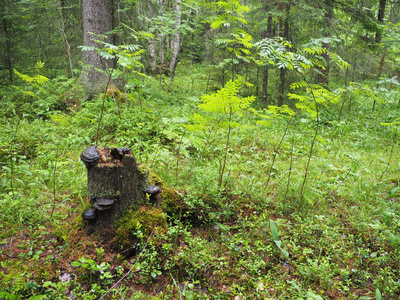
[342, 236]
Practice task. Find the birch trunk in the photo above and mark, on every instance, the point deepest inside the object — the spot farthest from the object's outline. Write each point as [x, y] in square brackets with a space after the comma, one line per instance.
[64, 34]
[152, 43]
[176, 41]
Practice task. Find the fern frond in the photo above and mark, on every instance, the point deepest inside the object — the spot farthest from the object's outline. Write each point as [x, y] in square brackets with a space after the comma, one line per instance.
[88, 48]
[40, 79]
[38, 66]
[106, 55]
[24, 77]
[298, 85]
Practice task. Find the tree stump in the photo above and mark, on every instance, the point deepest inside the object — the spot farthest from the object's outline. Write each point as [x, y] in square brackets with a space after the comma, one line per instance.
[116, 184]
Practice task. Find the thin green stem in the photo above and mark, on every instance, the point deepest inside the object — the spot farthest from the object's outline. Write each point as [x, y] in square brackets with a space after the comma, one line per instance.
[291, 163]
[12, 161]
[102, 106]
[221, 175]
[390, 158]
[54, 171]
[275, 152]
[312, 146]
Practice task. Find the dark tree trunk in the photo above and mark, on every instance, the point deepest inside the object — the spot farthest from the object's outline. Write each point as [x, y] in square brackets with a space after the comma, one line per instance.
[8, 44]
[323, 77]
[265, 34]
[282, 75]
[381, 16]
[380, 73]
[97, 19]
[282, 79]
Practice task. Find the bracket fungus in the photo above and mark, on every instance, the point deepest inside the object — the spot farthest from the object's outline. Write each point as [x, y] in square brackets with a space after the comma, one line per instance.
[89, 215]
[90, 156]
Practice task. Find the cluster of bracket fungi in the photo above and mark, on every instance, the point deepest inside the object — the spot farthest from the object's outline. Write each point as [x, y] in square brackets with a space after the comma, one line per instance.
[92, 156]
[99, 204]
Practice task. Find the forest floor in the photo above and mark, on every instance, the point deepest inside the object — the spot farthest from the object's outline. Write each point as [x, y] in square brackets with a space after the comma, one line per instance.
[246, 218]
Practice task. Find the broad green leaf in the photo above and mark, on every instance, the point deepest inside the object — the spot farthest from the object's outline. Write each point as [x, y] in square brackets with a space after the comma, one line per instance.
[274, 230]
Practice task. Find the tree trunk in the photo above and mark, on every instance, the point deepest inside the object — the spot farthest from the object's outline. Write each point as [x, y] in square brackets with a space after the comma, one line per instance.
[379, 74]
[381, 16]
[67, 46]
[176, 41]
[282, 75]
[97, 20]
[8, 45]
[323, 77]
[208, 42]
[265, 34]
[152, 43]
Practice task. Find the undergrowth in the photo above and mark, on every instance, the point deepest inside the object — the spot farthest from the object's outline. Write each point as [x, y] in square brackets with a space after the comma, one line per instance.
[338, 238]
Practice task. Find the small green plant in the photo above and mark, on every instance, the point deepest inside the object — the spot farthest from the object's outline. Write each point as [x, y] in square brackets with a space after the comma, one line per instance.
[378, 294]
[315, 269]
[278, 242]
[100, 253]
[94, 270]
[149, 266]
[219, 109]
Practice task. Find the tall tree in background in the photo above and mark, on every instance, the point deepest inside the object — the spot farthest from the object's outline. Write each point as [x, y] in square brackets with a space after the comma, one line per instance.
[323, 76]
[176, 44]
[7, 38]
[267, 33]
[152, 42]
[62, 5]
[381, 16]
[97, 23]
[283, 32]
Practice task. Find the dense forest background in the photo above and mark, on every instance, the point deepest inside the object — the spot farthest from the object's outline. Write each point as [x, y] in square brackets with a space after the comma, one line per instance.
[222, 36]
[271, 127]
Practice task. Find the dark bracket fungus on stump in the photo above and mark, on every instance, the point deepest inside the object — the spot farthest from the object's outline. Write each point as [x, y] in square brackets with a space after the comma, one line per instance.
[153, 191]
[117, 185]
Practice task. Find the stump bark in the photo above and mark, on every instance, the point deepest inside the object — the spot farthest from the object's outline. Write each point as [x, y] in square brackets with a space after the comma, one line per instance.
[117, 177]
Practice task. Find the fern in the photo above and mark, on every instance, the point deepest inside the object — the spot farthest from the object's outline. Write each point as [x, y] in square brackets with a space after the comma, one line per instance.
[218, 109]
[233, 12]
[37, 79]
[226, 100]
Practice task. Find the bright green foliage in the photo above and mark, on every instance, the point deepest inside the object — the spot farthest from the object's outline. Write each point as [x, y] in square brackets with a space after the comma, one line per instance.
[221, 103]
[227, 100]
[315, 95]
[37, 80]
[278, 242]
[127, 56]
[276, 51]
[239, 46]
[378, 294]
[233, 11]
[95, 271]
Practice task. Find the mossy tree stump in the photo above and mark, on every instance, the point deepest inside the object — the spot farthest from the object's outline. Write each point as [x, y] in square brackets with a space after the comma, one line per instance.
[115, 175]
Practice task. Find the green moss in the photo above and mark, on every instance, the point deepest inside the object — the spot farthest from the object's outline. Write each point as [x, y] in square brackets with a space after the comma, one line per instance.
[136, 226]
[172, 201]
[153, 178]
